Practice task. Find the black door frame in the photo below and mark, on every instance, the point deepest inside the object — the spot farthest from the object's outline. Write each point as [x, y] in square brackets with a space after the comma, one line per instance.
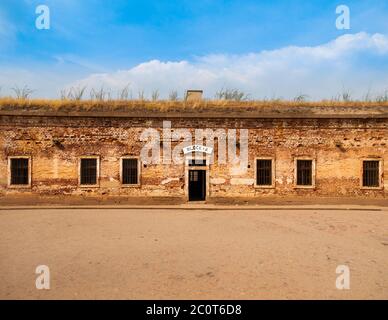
[197, 184]
[197, 162]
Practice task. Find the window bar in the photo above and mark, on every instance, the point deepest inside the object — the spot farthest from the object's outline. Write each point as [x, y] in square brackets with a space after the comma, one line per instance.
[130, 171]
[89, 171]
[19, 171]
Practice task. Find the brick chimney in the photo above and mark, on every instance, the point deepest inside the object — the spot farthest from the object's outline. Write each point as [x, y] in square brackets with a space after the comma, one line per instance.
[194, 95]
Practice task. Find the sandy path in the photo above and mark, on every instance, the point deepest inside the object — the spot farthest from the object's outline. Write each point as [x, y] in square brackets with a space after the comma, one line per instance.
[193, 254]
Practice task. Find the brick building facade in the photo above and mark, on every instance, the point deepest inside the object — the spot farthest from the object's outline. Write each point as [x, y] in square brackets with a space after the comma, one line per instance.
[308, 154]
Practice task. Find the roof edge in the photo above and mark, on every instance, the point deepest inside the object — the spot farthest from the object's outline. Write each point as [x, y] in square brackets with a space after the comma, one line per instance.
[202, 115]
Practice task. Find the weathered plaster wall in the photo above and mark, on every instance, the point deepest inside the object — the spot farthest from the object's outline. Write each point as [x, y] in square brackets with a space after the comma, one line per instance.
[56, 143]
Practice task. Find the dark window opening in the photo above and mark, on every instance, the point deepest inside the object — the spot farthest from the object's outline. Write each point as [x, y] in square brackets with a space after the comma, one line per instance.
[129, 171]
[263, 172]
[197, 163]
[19, 171]
[89, 171]
[370, 176]
[304, 174]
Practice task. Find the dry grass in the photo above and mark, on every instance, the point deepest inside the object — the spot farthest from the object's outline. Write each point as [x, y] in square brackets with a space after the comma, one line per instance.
[214, 106]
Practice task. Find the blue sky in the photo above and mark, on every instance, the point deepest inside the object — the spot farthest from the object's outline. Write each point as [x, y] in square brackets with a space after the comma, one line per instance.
[169, 44]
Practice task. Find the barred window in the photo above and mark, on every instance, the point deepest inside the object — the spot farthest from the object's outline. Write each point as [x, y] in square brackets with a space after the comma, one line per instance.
[19, 171]
[130, 171]
[371, 174]
[264, 172]
[197, 162]
[88, 171]
[304, 173]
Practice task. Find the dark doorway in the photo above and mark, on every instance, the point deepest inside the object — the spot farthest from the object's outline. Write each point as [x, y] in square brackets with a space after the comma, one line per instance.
[197, 185]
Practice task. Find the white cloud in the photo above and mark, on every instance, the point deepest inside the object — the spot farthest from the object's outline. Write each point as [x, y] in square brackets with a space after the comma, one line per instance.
[358, 62]
[321, 71]
[44, 83]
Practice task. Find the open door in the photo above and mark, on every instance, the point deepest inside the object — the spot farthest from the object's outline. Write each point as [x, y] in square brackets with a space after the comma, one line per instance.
[197, 185]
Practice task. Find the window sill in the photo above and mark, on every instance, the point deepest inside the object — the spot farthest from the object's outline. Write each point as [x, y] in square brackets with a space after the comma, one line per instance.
[372, 188]
[19, 186]
[86, 186]
[304, 187]
[131, 185]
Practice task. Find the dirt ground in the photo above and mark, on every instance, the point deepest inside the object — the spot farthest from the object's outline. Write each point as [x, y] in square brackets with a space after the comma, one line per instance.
[193, 254]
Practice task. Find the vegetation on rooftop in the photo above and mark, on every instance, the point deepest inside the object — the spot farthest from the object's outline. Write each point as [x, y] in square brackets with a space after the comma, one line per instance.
[226, 100]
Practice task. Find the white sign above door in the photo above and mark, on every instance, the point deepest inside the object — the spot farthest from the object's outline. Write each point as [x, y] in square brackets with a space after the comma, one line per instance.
[197, 148]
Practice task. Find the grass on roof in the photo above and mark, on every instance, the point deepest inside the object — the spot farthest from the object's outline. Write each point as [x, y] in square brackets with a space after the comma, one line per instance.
[11, 104]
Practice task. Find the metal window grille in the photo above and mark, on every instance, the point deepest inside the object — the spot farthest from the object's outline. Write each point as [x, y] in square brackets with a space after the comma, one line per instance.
[19, 171]
[264, 172]
[88, 171]
[129, 171]
[370, 177]
[193, 175]
[304, 172]
[197, 163]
